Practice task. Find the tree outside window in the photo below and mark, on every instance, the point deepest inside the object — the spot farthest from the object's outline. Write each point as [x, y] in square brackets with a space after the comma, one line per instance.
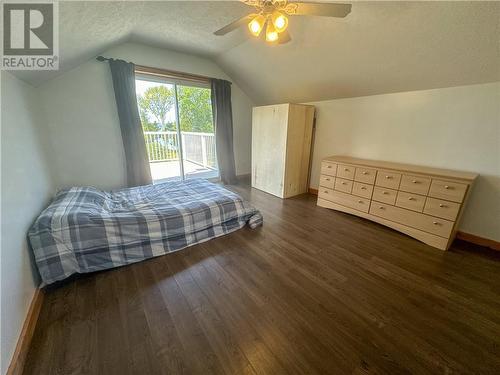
[195, 109]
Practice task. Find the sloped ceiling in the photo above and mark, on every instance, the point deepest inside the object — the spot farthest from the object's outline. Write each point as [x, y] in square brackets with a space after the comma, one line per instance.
[380, 47]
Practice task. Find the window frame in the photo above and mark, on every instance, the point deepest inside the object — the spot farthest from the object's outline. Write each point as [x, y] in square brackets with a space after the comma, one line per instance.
[170, 80]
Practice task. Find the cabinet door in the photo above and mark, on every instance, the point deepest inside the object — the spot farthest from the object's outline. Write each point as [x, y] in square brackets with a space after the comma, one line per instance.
[298, 149]
[269, 128]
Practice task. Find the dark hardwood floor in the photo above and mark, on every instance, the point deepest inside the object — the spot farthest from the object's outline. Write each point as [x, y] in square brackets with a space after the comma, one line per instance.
[311, 292]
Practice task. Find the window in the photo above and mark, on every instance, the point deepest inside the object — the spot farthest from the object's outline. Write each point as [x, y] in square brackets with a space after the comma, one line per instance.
[178, 127]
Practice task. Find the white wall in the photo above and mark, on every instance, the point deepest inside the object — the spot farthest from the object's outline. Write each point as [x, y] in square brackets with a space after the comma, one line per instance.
[26, 188]
[83, 120]
[454, 128]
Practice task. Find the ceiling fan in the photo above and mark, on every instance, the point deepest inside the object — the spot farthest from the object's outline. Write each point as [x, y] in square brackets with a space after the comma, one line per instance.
[273, 16]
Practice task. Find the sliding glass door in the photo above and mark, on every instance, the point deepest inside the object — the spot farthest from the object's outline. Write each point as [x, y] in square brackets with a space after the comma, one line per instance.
[178, 129]
[197, 132]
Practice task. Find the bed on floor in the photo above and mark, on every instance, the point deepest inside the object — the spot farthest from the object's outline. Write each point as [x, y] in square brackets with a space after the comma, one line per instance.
[85, 229]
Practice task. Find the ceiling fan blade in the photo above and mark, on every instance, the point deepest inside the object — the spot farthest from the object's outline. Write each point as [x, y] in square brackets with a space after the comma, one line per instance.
[284, 37]
[251, 3]
[234, 25]
[318, 9]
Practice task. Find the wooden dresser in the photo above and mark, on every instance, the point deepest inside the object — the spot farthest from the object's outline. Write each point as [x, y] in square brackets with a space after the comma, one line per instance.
[424, 203]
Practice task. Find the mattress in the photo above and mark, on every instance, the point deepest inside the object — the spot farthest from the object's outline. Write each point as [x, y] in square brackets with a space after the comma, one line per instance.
[85, 229]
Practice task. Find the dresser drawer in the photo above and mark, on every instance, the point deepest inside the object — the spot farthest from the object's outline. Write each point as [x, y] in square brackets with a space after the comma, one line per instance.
[412, 219]
[365, 175]
[451, 191]
[348, 200]
[444, 209]
[415, 184]
[346, 171]
[410, 201]
[384, 195]
[327, 181]
[362, 190]
[329, 168]
[388, 179]
[343, 185]
[325, 193]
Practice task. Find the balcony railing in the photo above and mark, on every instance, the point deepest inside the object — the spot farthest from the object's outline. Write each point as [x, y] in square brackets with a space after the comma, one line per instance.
[198, 148]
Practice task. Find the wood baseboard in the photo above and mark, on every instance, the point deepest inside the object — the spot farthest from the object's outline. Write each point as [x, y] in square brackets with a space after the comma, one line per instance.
[476, 240]
[244, 177]
[313, 191]
[472, 238]
[16, 366]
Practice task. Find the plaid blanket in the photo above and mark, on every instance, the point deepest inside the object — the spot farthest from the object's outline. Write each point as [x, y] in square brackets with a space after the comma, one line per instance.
[85, 229]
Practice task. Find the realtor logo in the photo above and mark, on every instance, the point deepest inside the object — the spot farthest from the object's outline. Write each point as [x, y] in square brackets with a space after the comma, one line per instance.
[30, 36]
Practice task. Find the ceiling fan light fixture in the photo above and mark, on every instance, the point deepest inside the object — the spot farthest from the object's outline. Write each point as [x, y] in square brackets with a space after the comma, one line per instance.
[280, 21]
[271, 33]
[257, 24]
[273, 16]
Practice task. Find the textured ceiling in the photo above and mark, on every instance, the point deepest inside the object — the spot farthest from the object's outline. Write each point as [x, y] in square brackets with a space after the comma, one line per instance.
[380, 47]
[88, 28]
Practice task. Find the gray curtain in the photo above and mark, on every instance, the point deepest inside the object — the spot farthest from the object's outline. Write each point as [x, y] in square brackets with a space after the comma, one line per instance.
[223, 120]
[138, 172]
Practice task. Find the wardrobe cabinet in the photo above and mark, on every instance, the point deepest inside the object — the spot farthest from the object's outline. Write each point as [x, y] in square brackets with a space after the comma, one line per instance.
[281, 148]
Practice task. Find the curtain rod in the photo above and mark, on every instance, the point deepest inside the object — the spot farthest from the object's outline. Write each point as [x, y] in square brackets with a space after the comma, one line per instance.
[165, 73]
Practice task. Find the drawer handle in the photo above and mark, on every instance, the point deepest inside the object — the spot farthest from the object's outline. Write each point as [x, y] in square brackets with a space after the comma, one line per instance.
[442, 205]
[388, 177]
[447, 187]
[436, 223]
[343, 183]
[326, 191]
[385, 192]
[346, 169]
[327, 179]
[415, 181]
[365, 172]
[328, 166]
[411, 198]
[360, 201]
[363, 187]
[381, 207]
